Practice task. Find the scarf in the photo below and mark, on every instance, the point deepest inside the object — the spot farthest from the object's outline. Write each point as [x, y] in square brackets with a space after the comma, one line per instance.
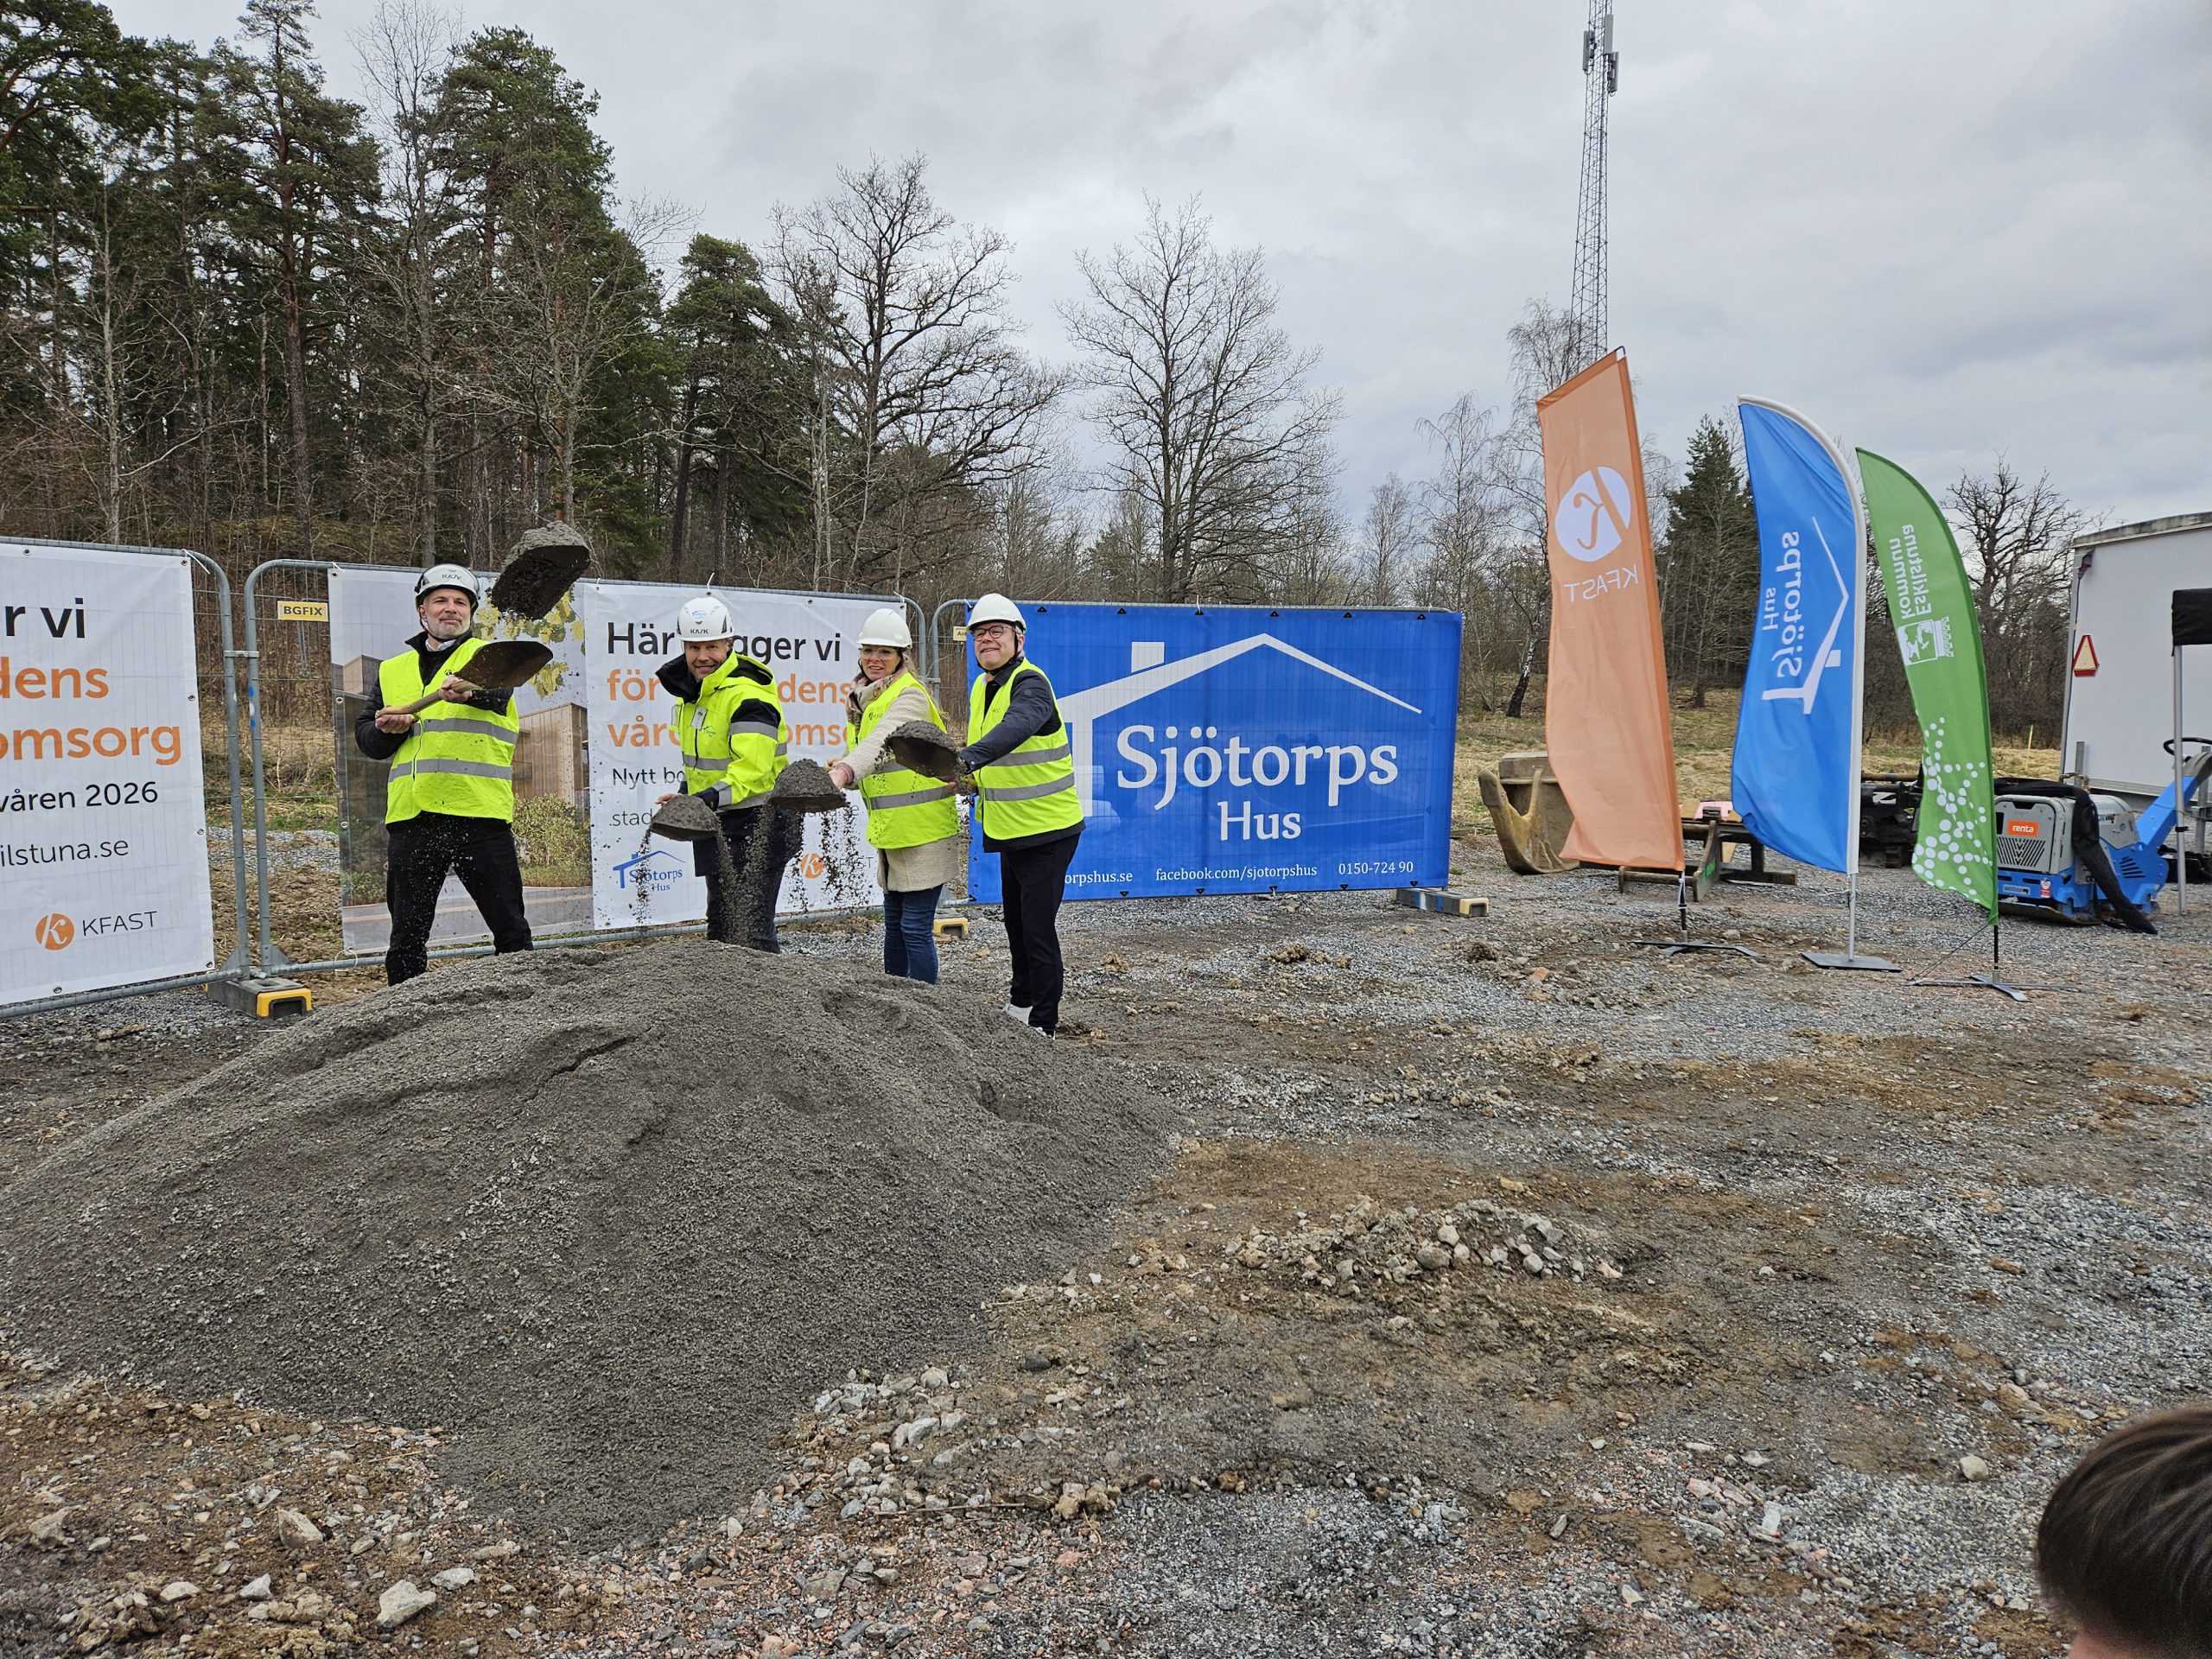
[864, 691]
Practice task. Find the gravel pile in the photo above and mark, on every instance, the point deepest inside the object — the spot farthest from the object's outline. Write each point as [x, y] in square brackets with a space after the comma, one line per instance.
[609, 1219]
[1369, 1244]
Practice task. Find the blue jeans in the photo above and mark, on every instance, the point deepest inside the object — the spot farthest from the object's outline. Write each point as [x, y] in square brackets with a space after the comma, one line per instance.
[909, 945]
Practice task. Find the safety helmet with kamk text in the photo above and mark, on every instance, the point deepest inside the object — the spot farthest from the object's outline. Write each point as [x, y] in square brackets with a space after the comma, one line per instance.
[446, 576]
[704, 618]
[995, 607]
[888, 628]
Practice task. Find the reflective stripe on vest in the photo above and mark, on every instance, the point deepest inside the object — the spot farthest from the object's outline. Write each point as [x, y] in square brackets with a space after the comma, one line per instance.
[457, 758]
[905, 808]
[747, 754]
[1031, 789]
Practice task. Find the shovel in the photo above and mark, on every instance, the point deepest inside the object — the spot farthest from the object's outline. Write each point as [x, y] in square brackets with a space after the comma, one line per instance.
[499, 666]
[544, 564]
[919, 747]
[685, 817]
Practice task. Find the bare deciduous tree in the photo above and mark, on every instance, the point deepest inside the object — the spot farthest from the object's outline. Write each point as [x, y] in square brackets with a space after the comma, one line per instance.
[406, 50]
[922, 401]
[1390, 536]
[2017, 537]
[1206, 401]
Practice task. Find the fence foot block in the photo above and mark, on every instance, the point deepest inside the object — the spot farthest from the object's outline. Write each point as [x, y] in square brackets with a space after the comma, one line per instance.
[951, 927]
[1440, 901]
[263, 997]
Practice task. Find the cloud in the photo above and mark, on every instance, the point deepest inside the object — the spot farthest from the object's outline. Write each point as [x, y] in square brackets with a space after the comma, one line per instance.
[1944, 231]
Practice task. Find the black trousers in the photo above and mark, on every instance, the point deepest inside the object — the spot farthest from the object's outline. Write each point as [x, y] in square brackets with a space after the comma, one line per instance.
[1032, 880]
[762, 840]
[481, 851]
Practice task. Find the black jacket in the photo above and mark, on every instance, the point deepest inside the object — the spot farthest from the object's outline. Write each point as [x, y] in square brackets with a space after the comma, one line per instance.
[382, 746]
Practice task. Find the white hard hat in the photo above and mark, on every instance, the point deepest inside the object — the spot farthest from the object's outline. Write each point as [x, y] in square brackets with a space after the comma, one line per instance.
[888, 628]
[446, 576]
[704, 618]
[995, 607]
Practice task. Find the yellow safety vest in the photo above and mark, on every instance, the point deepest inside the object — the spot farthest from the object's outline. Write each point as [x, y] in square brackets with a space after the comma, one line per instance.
[456, 758]
[748, 755]
[1031, 789]
[905, 808]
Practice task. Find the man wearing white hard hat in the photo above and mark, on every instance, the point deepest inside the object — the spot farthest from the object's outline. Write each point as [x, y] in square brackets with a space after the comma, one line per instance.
[729, 724]
[1023, 771]
[913, 822]
[449, 806]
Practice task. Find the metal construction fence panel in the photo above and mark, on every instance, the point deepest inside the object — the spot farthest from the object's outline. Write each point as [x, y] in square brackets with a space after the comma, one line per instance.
[123, 908]
[318, 803]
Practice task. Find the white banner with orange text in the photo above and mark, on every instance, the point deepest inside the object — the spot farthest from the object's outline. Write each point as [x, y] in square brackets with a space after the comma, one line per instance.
[103, 823]
[629, 631]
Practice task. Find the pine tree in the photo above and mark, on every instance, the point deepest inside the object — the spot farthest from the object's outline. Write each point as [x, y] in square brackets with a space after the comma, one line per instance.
[1709, 566]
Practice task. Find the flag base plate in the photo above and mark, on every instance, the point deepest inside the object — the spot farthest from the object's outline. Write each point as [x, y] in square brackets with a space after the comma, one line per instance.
[1845, 959]
[1676, 947]
[1982, 981]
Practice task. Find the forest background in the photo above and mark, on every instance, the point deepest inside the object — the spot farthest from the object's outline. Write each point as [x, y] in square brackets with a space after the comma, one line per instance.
[246, 316]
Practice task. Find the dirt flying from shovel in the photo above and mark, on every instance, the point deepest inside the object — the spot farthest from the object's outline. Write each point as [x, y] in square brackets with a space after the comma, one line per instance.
[609, 1217]
[920, 746]
[807, 786]
[684, 817]
[543, 565]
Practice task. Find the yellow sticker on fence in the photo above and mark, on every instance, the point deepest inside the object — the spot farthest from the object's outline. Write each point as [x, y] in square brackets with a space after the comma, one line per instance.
[302, 610]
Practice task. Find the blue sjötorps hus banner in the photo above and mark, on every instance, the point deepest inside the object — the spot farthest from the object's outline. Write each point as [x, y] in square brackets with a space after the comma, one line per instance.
[1241, 750]
[1795, 782]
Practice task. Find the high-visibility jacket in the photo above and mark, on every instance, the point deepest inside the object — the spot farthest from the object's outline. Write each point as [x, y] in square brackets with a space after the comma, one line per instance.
[1029, 791]
[905, 808]
[456, 758]
[724, 742]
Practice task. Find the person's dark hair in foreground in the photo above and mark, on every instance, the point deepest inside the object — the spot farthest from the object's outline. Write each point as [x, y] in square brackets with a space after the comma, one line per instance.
[2125, 1547]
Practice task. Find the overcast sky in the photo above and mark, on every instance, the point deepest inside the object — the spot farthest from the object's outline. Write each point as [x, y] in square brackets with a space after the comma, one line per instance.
[1941, 228]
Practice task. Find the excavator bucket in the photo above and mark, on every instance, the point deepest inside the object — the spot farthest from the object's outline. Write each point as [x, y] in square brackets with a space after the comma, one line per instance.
[1530, 812]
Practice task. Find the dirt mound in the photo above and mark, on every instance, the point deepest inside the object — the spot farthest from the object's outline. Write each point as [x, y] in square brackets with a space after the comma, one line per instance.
[610, 1217]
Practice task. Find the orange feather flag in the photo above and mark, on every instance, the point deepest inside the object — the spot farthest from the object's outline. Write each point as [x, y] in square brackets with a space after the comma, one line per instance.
[1606, 721]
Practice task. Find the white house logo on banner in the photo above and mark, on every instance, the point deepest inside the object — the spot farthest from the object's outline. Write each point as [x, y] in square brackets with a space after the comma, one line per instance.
[1593, 518]
[1784, 610]
[103, 824]
[1271, 765]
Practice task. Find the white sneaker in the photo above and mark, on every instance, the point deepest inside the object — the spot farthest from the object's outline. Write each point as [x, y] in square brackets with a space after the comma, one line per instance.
[1016, 1013]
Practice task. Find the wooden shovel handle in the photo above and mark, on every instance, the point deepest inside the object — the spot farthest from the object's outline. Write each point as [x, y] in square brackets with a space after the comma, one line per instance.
[422, 702]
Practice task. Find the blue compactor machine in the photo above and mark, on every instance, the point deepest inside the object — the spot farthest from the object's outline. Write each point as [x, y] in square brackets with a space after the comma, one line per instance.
[2065, 852]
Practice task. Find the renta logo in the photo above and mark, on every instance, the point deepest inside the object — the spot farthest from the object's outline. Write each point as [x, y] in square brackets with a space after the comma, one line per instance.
[1593, 518]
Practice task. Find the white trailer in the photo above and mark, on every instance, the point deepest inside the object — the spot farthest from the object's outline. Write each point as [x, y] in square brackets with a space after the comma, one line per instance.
[2120, 699]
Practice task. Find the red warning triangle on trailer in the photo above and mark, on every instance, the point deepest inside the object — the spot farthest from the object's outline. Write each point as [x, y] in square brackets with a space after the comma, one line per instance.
[2085, 656]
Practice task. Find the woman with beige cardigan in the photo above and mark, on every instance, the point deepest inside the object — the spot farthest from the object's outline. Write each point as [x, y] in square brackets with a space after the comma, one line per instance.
[912, 821]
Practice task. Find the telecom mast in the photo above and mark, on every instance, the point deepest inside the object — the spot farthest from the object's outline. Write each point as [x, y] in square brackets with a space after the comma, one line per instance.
[1601, 75]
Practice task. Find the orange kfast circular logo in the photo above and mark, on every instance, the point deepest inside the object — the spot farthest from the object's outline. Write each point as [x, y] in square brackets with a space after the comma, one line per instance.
[55, 932]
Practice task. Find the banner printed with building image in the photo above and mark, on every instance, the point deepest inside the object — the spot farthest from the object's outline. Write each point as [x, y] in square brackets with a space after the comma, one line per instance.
[373, 617]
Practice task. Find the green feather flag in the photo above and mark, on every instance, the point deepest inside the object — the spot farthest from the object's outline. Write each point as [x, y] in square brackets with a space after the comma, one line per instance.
[1932, 606]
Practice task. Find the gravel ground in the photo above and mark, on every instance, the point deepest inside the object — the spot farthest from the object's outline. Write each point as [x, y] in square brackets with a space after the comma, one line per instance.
[1863, 1230]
